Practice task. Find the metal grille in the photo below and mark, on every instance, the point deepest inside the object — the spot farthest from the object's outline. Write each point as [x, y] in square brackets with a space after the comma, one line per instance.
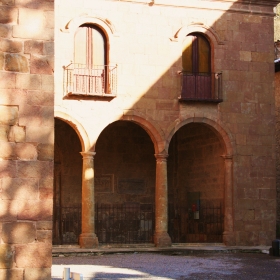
[125, 223]
[70, 225]
[100, 80]
[205, 225]
[201, 86]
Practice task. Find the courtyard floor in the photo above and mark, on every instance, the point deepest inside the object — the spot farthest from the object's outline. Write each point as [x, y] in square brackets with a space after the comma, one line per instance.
[180, 265]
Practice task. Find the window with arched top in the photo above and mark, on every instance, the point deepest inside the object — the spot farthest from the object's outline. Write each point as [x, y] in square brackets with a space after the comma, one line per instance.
[196, 55]
[90, 74]
[198, 83]
[90, 46]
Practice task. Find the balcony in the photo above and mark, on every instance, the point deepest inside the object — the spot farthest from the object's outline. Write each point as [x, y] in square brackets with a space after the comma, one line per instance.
[81, 81]
[201, 87]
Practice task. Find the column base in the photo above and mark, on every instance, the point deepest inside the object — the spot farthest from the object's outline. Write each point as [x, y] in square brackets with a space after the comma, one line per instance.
[229, 238]
[88, 240]
[162, 239]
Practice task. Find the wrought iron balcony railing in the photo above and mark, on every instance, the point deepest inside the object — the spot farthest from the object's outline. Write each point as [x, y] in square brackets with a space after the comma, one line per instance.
[100, 80]
[203, 87]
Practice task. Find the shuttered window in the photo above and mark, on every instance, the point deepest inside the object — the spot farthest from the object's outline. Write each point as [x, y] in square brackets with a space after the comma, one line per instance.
[196, 54]
[90, 46]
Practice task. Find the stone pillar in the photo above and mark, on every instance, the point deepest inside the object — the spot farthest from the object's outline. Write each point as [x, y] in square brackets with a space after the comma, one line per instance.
[88, 238]
[228, 234]
[161, 237]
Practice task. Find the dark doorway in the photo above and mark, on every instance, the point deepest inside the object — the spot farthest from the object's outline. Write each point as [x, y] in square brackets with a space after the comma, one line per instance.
[196, 185]
[124, 184]
[67, 185]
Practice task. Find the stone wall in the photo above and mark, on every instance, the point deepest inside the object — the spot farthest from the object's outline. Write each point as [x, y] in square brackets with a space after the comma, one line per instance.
[26, 138]
[145, 41]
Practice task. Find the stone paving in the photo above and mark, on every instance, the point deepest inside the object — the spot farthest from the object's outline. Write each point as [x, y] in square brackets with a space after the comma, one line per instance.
[200, 263]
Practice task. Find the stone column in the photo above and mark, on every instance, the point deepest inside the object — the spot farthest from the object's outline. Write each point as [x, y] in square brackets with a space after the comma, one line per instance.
[228, 234]
[161, 237]
[88, 238]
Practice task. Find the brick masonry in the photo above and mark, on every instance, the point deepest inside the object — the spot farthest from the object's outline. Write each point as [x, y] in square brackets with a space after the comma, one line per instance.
[26, 135]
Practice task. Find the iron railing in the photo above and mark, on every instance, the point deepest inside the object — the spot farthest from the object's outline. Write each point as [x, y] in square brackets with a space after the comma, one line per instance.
[205, 87]
[127, 223]
[68, 226]
[99, 80]
[204, 225]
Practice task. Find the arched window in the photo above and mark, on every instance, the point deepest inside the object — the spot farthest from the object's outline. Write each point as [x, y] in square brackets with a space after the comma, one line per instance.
[90, 46]
[196, 54]
[196, 64]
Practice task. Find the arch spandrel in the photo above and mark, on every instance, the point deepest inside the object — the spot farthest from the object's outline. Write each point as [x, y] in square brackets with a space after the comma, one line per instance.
[208, 31]
[77, 126]
[218, 128]
[153, 130]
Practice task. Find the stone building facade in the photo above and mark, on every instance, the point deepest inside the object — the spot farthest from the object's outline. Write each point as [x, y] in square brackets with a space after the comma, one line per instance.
[27, 138]
[164, 125]
[171, 104]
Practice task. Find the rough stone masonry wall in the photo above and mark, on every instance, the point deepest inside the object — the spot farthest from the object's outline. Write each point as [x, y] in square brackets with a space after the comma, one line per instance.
[26, 138]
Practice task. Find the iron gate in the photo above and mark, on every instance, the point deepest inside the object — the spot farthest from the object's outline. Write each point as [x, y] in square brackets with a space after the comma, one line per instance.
[205, 225]
[124, 223]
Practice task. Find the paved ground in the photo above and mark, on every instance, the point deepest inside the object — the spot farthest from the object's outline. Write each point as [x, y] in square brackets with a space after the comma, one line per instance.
[171, 265]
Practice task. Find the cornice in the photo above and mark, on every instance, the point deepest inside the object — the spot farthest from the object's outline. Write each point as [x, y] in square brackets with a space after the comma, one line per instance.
[263, 7]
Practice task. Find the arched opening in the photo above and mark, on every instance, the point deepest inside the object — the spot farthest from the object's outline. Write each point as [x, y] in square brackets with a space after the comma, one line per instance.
[124, 167]
[196, 176]
[67, 185]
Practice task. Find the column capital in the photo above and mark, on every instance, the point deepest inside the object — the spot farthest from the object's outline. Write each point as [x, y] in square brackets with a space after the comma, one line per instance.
[227, 157]
[162, 156]
[89, 155]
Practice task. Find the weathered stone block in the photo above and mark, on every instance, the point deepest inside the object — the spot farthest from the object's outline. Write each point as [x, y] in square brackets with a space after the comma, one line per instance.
[35, 31]
[47, 83]
[36, 134]
[16, 63]
[26, 151]
[35, 210]
[4, 30]
[37, 274]
[10, 46]
[16, 134]
[36, 4]
[11, 274]
[18, 232]
[45, 152]
[33, 169]
[33, 47]
[7, 80]
[41, 65]
[48, 48]
[7, 151]
[25, 81]
[36, 255]
[4, 133]
[44, 225]
[8, 115]
[44, 236]
[1, 60]
[6, 256]
[8, 211]
[8, 15]
[8, 168]
[19, 188]
[38, 98]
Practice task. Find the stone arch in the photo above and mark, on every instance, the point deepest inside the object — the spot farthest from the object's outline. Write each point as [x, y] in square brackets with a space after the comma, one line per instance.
[222, 134]
[79, 129]
[154, 131]
[105, 24]
[225, 154]
[208, 31]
